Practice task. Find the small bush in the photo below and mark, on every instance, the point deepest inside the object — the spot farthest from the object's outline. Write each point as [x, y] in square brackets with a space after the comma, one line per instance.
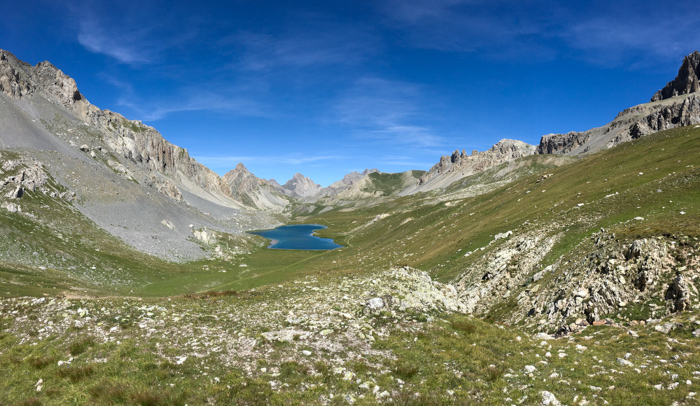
[148, 398]
[463, 326]
[493, 373]
[29, 402]
[293, 369]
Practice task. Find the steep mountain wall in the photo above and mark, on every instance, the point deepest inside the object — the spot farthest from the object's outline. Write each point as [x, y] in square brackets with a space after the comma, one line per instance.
[132, 140]
[676, 105]
[686, 81]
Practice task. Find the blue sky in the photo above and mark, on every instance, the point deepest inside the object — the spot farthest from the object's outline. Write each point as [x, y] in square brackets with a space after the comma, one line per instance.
[328, 87]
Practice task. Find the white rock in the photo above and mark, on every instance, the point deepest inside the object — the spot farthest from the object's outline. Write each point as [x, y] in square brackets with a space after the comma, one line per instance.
[530, 368]
[375, 303]
[548, 398]
[624, 362]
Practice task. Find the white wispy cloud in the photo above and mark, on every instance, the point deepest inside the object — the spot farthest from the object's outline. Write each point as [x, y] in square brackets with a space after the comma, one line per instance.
[620, 32]
[203, 101]
[230, 161]
[648, 34]
[133, 33]
[128, 48]
[487, 27]
[312, 44]
[231, 99]
[386, 111]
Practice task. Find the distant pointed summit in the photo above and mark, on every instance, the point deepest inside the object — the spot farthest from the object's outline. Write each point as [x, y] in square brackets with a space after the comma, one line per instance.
[686, 82]
[301, 186]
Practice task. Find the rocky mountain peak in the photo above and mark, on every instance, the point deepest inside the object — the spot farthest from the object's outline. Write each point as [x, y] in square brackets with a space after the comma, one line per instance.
[301, 186]
[686, 82]
[241, 168]
[19, 79]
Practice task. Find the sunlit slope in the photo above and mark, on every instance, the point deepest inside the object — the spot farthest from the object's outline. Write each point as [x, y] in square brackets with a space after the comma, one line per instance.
[655, 178]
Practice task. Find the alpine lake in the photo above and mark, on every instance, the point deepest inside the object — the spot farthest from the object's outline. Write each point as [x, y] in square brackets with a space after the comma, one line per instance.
[297, 237]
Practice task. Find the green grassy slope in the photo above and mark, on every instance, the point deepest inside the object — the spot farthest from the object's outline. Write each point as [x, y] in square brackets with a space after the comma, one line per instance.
[418, 230]
[656, 177]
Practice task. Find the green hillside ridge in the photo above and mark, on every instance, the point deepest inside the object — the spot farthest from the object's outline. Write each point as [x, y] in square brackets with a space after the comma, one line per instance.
[362, 324]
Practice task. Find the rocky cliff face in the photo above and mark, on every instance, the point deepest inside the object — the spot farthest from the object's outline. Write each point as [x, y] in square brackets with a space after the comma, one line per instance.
[562, 143]
[629, 124]
[673, 106]
[139, 143]
[686, 82]
[453, 167]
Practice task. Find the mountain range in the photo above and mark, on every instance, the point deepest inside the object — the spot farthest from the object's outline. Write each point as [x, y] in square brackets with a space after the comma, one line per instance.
[566, 272]
[131, 165]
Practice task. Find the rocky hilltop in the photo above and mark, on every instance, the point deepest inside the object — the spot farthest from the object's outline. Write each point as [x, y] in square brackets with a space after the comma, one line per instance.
[350, 179]
[453, 167]
[686, 81]
[675, 105]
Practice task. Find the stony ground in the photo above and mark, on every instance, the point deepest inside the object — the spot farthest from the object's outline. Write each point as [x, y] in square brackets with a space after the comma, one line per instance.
[394, 337]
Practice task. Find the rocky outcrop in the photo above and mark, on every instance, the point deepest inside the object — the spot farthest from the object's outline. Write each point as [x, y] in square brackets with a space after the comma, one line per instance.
[685, 112]
[611, 278]
[454, 167]
[686, 82]
[23, 174]
[19, 79]
[165, 187]
[498, 276]
[504, 150]
[562, 143]
[676, 105]
[27, 174]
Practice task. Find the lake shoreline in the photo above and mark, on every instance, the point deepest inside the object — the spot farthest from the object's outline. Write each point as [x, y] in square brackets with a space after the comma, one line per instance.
[297, 237]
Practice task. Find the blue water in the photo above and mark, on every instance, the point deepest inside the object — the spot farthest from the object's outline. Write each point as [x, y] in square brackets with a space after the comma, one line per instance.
[297, 237]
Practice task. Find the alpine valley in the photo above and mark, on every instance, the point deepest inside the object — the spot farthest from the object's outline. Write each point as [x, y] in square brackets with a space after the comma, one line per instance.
[560, 273]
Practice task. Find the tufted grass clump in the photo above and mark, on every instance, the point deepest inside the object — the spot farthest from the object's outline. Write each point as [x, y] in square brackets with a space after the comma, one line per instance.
[81, 345]
[76, 374]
